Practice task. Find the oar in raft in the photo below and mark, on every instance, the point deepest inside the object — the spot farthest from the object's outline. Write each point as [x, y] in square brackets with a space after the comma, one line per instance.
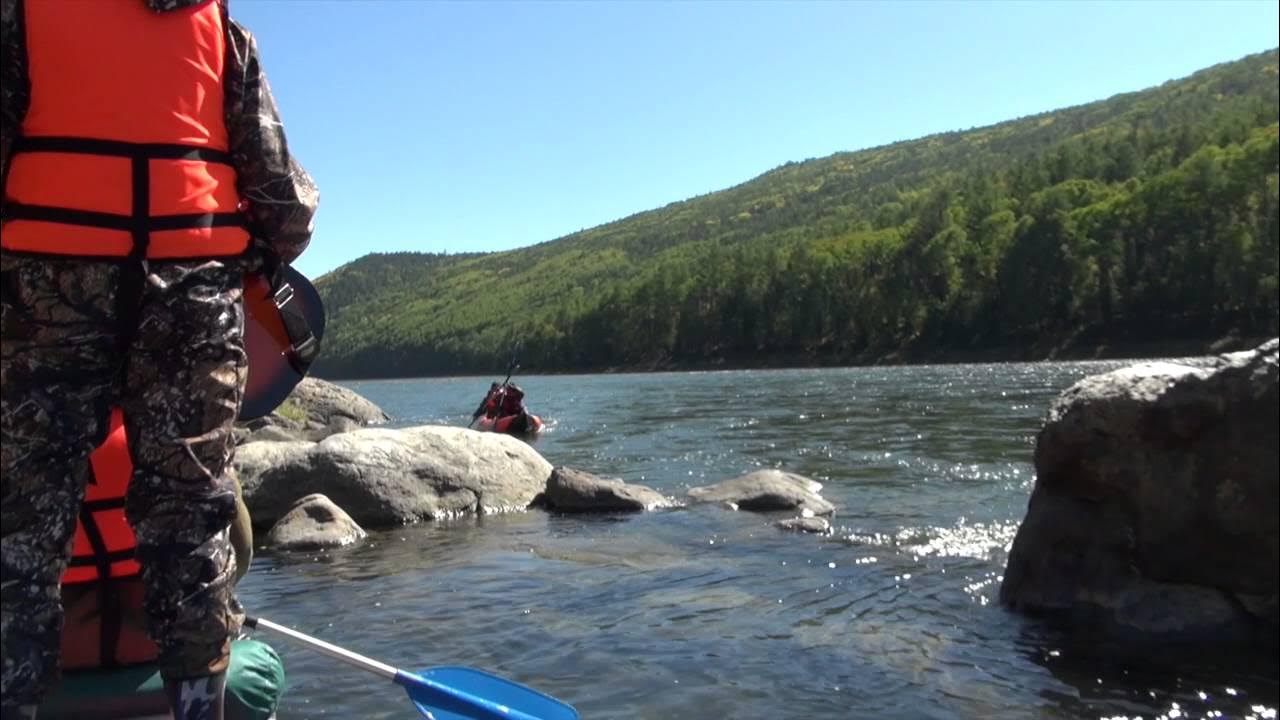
[446, 693]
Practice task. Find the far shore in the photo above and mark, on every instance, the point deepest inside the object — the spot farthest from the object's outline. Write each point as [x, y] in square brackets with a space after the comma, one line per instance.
[1039, 352]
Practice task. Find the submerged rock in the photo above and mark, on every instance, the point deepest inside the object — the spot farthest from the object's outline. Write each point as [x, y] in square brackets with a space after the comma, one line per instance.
[571, 490]
[314, 522]
[387, 477]
[766, 490]
[817, 525]
[1156, 509]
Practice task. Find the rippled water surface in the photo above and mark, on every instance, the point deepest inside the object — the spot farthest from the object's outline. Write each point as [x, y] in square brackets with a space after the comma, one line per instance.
[707, 613]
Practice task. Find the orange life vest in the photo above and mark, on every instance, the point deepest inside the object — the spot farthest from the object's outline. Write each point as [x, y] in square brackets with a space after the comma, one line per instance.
[102, 587]
[104, 541]
[124, 147]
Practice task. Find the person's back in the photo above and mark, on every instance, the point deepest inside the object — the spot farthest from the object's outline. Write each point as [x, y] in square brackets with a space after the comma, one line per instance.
[145, 171]
[512, 400]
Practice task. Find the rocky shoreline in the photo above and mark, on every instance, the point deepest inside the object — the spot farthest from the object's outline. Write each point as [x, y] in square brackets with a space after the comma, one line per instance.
[320, 478]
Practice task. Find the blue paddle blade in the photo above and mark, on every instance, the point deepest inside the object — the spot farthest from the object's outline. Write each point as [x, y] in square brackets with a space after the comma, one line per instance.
[460, 693]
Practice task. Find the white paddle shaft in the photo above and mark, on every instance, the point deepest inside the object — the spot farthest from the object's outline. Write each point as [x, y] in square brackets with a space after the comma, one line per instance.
[332, 651]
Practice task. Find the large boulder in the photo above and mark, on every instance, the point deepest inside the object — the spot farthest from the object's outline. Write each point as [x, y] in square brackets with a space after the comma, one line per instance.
[324, 403]
[314, 522]
[388, 477]
[1154, 513]
[271, 432]
[571, 491]
[277, 428]
[767, 490]
[314, 410]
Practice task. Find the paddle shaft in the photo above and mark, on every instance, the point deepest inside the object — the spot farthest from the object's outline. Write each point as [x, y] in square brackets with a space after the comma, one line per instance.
[438, 695]
[332, 651]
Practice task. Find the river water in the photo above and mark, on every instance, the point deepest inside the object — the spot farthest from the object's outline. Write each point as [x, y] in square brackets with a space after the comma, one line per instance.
[704, 612]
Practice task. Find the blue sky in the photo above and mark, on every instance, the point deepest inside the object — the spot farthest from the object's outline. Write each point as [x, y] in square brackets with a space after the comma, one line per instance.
[477, 126]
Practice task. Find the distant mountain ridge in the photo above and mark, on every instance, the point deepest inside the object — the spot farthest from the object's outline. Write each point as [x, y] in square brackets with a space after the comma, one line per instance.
[1146, 217]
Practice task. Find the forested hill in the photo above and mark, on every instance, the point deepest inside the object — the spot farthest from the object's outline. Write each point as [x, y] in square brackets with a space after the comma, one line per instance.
[1146, 217]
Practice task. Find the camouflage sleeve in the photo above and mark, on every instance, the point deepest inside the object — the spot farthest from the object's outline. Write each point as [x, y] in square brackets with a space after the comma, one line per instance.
[15, 90]
[281, 195]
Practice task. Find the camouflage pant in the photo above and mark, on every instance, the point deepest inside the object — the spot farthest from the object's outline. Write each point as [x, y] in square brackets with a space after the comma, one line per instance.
[66, 361]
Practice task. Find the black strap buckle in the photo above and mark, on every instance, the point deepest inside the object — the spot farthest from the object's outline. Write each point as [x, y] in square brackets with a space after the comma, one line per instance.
[303, 344]
[283, 295]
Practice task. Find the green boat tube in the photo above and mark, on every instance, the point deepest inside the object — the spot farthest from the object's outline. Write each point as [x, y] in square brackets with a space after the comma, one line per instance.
[255, 683]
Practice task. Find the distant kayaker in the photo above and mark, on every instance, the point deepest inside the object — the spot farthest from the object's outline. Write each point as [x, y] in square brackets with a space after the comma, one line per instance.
[145, 171]
[503, 400]
[513, 400]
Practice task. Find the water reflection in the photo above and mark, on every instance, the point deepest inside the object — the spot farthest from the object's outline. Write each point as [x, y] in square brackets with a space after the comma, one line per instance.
[1152, 682]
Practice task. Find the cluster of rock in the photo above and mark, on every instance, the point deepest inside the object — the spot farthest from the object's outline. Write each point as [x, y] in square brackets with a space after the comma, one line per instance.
[320, 483]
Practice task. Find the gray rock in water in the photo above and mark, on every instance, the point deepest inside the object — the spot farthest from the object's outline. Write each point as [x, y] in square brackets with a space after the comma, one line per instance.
[313, 432]
[815, 525]
[314, 410]
[341, 424]
[273, 428]
[388, 477]
[314, 522]
[323, 402]
[1155, 510]
[274, 433]
[766, 490]
[255, 461]
[571, 490]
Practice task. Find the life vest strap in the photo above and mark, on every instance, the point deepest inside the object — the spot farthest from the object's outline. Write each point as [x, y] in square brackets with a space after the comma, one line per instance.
[115, 503]
[119, 148]
[126, 223]
[109, 599]
[138, 223]
[102, 561]
[141, 172]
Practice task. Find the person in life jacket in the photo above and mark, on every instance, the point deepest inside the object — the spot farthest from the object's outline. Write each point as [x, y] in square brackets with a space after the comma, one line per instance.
[512, 400]
[503, 400]
[145, 171]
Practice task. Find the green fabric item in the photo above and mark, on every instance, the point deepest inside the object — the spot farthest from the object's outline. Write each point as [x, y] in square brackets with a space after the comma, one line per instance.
[255, 682]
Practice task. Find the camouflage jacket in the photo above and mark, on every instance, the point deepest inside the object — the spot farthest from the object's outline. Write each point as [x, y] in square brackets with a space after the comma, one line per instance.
[282, 197]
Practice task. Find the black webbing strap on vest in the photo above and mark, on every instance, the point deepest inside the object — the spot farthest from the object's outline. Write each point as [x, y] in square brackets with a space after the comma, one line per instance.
[100, 553]
[111, 619]
[139, 222]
